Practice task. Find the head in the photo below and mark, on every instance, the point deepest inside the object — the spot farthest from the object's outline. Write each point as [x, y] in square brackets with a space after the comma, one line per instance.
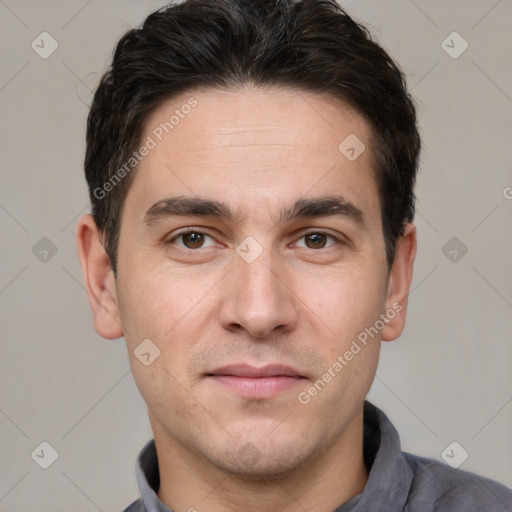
[251, 168]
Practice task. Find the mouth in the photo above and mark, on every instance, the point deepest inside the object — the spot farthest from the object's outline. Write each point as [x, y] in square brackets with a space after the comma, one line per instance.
[256, 382]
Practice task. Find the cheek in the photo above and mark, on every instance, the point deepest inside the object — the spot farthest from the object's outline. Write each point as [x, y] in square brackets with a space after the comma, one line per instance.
[169, 310]
[156, 308]
[156, 305]
[166, 400]
[346, 303]
[347, 307]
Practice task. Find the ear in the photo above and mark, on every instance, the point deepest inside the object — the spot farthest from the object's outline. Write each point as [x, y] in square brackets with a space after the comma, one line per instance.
[99, 279]
[399, 283]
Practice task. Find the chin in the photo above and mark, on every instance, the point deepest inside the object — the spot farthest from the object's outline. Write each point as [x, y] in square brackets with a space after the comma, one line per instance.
[252, 461]
[263, 470]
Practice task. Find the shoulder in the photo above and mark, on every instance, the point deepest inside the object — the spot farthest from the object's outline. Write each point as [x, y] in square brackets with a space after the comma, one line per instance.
[136, 506]
[447, 489]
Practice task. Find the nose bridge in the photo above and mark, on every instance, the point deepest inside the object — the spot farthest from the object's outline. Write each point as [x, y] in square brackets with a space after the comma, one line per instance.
[258, 280]
[258, 299]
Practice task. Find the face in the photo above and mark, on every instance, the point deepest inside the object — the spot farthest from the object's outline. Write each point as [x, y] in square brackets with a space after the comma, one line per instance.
[251, 254]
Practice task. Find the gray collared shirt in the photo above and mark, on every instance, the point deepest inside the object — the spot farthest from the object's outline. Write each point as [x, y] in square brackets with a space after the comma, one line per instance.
[397, 481]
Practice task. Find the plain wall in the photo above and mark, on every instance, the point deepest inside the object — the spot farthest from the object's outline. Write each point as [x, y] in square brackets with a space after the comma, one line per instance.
[448, 378]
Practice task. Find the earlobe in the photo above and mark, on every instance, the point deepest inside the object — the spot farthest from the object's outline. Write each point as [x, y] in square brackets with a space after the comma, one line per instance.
[399, 283]
[99, 279]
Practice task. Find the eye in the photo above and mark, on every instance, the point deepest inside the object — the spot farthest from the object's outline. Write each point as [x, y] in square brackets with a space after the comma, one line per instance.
[318, 240]
[191, 239]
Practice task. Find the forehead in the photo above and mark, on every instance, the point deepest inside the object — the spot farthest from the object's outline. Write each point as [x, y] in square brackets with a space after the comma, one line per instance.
[301, 118]
[245, 144]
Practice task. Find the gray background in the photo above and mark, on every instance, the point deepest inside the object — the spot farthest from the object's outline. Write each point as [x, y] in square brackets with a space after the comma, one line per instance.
[446, 379]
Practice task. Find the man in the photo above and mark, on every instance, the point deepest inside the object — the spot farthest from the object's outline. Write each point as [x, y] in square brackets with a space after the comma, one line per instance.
[251, 167]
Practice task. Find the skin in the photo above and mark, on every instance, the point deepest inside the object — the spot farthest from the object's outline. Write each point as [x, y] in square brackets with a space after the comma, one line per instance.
[298, 303]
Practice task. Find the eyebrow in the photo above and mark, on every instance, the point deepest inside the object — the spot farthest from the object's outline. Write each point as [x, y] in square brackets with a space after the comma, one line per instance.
[325, 206]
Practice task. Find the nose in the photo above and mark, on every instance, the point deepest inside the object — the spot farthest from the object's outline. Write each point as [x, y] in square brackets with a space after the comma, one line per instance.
[258, 298]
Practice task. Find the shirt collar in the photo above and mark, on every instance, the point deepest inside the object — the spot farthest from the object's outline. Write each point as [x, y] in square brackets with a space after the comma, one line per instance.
[390, 476]
[387, 488]
[148, 478]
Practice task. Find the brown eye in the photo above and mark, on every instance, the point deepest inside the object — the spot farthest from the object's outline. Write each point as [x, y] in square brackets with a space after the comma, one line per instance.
[192, 240]
[315, 240]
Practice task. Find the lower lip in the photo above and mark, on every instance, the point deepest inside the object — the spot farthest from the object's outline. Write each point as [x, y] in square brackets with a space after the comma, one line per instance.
[257, 387]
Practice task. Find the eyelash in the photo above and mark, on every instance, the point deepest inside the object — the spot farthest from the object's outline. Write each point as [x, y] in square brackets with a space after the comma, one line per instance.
[199, 232]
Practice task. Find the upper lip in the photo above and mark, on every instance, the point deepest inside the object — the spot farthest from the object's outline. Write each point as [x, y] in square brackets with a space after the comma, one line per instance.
[245, 370]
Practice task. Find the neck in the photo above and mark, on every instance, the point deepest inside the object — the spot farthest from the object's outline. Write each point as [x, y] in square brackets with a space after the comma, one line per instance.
[189, 483]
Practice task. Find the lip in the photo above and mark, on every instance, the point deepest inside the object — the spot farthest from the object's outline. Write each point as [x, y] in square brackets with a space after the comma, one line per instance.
[256, 382]
[246, 370]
